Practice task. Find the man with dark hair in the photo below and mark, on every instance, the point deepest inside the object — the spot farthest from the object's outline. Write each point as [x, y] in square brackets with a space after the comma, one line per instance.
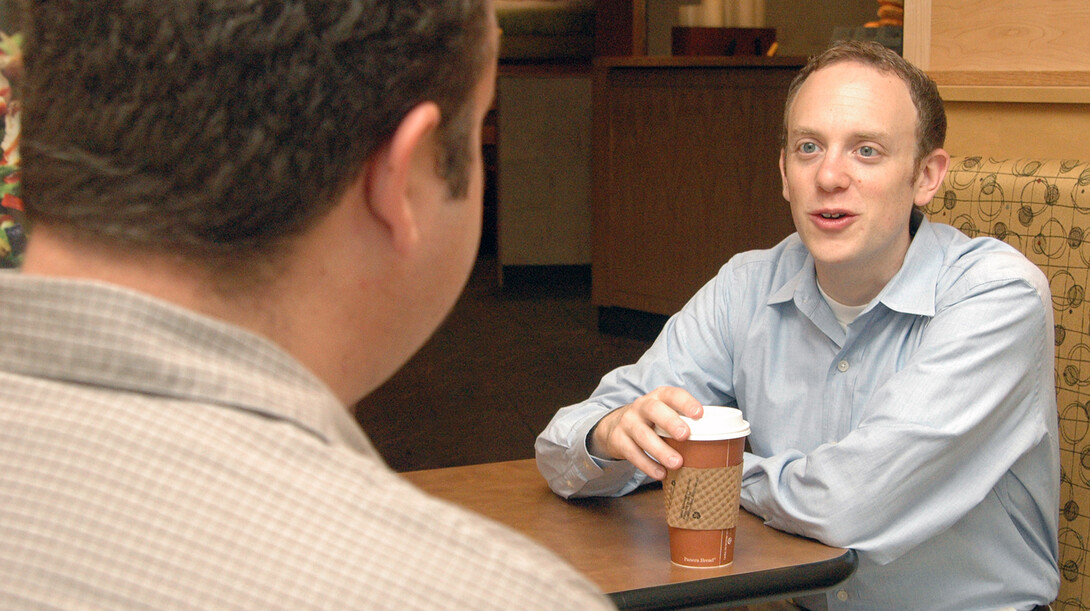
[897, 375]
[244, 216]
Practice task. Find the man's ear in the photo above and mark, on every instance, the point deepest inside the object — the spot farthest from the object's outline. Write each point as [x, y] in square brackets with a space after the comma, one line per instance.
[388, 186]
[929, 179]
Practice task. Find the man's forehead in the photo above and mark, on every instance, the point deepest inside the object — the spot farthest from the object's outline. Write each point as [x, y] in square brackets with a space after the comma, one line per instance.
[852, 70]
[848, 85]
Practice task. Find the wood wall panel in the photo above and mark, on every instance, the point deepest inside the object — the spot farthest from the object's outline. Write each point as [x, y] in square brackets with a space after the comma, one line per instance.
[1015, 74]
[544, 169]
[686, 176]
[1004, 35]
[1012, 130]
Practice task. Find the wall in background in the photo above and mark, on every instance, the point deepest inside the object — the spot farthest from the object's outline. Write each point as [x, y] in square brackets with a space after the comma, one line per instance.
[1006, 130]
[806, 28]
[1015, 74]
[544, 169]
[8, 19]
[802, 28]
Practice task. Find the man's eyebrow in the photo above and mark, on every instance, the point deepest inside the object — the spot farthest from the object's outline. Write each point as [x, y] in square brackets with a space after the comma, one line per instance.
[802, 132]
[872, 135]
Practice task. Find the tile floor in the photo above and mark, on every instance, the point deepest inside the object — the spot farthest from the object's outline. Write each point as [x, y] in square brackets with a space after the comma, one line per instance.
[497, 370]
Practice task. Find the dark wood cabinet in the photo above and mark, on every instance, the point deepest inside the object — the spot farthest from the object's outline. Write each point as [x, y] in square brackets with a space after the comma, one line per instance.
[685, 172]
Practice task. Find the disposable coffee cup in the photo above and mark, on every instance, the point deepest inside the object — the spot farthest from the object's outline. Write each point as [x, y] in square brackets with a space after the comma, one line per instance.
[702, 497]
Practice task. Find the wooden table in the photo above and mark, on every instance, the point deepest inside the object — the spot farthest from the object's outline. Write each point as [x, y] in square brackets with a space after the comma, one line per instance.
[621, 544]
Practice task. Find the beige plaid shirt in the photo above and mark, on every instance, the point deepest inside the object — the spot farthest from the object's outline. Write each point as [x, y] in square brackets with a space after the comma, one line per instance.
[154, 458]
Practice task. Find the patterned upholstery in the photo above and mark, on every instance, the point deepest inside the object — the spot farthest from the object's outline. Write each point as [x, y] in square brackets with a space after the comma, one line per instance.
[1042, 208]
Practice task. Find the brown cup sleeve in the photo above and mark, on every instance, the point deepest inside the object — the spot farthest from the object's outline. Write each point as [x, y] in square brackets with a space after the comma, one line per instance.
[703, 499]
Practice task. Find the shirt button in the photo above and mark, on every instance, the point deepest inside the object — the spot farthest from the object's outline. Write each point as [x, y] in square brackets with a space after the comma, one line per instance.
[842, 595]
[842, 366]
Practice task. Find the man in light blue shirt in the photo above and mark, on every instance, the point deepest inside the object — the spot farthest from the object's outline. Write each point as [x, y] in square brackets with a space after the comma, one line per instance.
[897, 375]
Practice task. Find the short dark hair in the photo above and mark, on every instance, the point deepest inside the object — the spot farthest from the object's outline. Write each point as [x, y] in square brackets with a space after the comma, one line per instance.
[930, 113]
[216, 129]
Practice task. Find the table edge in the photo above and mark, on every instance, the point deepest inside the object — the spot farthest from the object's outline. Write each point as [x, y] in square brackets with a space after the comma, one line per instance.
[808, 578]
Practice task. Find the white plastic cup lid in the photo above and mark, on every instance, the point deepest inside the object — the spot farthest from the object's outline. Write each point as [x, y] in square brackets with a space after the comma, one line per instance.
[717, 423]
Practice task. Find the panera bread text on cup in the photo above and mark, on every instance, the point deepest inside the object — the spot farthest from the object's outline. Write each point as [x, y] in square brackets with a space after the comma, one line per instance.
[702, 497]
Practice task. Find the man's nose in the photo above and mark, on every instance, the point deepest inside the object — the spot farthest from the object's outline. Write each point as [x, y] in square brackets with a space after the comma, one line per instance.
[833, 172]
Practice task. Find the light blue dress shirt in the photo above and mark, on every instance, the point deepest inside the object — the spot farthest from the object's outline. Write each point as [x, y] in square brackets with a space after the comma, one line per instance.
[924, 436]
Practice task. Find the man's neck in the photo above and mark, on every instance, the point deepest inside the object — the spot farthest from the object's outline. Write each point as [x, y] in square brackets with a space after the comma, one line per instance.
[167, 277]
[848, 291]
[266, 310]
[856, 285]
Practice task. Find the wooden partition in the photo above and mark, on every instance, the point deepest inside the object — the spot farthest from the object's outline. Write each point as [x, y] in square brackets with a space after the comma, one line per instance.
[1015, 73]
[980, 39]
[620, 28]
[1007, 130]
[685, 172]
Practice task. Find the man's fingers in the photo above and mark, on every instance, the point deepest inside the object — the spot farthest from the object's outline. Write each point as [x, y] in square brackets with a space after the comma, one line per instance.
[657, 409]
[680, 401]
[644, 463]
[641, 445]
[629, 432]
[652, 444]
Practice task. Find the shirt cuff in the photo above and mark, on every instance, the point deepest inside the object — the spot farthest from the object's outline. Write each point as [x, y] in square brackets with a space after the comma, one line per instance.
[602, 476]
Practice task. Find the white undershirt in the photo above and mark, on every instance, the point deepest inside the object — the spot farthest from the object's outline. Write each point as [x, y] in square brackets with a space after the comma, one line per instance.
[845, 314]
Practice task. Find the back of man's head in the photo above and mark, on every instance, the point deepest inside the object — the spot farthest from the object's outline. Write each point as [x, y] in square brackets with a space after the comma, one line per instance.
[219, 129]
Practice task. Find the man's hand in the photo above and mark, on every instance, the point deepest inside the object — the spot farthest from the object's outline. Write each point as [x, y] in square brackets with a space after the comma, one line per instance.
[629, 432]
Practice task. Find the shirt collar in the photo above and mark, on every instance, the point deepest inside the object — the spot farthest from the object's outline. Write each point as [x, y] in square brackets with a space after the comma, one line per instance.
[802, 288]
[108, 336]
[910, 291]
[804, 276]
[912, 288]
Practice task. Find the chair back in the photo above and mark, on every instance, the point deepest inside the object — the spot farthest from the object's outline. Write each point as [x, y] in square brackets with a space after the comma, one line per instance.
[1042, 208]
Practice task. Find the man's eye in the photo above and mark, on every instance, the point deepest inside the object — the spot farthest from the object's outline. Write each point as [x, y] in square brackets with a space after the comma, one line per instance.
[867, 151]
[807, 147]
